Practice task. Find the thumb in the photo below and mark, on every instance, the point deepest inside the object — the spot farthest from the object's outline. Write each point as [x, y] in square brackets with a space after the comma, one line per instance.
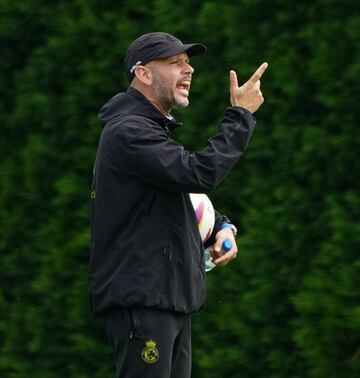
[218, 244]
[233, 80]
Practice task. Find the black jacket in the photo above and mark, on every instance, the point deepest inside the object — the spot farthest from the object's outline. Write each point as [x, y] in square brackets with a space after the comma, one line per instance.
[146, 249]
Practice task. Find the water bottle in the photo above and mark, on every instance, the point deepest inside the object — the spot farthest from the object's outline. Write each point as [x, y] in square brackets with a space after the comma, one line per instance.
[226, 246]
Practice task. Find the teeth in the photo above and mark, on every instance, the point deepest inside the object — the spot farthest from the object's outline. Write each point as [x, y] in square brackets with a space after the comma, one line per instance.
[185, 82]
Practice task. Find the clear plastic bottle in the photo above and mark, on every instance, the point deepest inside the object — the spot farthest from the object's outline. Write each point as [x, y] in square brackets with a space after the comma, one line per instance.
[226, 246]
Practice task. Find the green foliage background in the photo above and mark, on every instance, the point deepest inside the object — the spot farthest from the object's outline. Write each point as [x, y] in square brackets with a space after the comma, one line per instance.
[289, 306]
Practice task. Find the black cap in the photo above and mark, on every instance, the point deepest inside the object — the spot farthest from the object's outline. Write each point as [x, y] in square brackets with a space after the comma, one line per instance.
[154, 46]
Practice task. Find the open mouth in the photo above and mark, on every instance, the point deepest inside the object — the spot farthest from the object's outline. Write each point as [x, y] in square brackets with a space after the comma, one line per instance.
[183, 85]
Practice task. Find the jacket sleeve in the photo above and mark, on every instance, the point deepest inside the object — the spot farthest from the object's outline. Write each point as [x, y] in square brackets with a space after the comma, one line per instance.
[152, 156]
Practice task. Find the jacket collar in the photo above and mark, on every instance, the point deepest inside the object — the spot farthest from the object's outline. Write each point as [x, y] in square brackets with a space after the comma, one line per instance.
[168, 123]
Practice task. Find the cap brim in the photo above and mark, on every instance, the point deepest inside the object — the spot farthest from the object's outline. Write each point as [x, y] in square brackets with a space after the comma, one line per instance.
[192, 49]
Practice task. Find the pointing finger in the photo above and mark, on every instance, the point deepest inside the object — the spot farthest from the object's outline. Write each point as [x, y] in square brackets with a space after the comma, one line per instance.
[257, 85]
[233, 80]
[258, 73]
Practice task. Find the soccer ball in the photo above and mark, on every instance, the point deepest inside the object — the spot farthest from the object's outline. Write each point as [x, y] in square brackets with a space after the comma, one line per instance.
[205, 214]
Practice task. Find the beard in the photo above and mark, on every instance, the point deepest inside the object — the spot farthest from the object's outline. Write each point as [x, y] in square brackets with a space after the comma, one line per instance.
[165, 92]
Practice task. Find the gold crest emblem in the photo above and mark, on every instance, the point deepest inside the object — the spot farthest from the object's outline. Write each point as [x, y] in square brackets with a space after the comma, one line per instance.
[150, 354]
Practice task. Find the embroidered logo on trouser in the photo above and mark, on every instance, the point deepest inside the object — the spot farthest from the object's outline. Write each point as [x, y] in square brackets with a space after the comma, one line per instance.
[150, 354]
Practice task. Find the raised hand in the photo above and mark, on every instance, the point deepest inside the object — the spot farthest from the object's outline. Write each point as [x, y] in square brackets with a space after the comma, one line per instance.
[247, 96]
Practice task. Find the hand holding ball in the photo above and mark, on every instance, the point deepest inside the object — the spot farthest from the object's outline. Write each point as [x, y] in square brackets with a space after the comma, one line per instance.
[205, 216]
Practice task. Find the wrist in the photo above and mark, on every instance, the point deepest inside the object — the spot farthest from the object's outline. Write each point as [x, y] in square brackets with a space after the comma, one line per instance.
[230, 226]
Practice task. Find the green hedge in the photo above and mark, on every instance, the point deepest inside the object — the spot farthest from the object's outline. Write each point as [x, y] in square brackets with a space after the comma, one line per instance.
[289, 306]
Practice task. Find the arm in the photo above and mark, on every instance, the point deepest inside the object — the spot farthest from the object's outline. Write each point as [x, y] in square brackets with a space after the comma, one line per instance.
[150, 155]
[249, 97]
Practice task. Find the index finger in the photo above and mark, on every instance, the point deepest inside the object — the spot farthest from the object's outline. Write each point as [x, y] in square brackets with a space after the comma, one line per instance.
[233, 80]
[258, 73]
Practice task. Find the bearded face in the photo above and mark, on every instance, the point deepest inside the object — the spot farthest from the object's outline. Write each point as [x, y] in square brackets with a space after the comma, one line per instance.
[171, 81]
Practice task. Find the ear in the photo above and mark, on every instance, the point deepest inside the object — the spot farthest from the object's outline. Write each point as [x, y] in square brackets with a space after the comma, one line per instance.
[144, 75]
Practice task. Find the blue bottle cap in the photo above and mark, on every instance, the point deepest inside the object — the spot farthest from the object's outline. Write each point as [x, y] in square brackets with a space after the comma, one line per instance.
[227, 245]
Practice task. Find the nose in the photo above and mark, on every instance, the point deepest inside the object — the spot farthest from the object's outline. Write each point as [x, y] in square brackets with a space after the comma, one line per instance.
[188, 68]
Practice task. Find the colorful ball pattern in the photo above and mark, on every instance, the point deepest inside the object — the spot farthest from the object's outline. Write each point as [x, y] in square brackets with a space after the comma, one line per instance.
[205, 214]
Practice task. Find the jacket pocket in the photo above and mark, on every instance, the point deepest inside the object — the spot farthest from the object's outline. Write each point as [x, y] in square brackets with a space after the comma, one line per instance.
[168, 262]
[167, 253]
[132, 322]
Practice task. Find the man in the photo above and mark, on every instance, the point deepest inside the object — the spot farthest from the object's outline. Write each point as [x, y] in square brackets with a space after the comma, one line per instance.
[147, 271]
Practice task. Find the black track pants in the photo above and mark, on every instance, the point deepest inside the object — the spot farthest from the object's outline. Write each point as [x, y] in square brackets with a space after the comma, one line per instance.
[149, 343]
